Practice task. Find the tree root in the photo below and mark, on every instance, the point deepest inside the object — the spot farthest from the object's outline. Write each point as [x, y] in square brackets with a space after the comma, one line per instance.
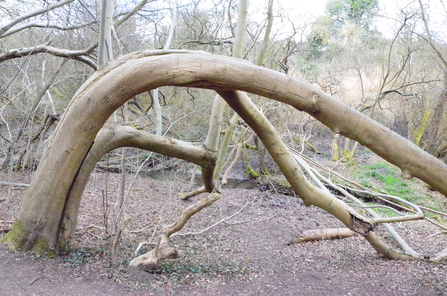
[163, 250]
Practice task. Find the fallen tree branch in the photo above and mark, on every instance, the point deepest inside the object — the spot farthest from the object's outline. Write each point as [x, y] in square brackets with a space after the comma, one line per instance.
[418, 214]
[13, 184]
[390, 229]
[441, 256]
[379, 196]
[376, 195]
[322, 234]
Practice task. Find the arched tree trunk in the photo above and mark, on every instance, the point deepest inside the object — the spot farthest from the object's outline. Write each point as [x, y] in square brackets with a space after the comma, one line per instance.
[112, 137]
[44, 206]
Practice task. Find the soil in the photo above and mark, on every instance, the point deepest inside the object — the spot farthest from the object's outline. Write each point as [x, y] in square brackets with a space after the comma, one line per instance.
[247, 254]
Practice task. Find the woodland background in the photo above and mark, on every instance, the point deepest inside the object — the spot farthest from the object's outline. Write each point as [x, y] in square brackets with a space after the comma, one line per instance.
[398, 80]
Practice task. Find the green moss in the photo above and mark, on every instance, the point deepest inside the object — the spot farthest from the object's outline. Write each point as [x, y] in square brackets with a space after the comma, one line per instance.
[420, 130]
[252, 172]
[43, 249]
[265, 172]
[252, 147]
[15, 239]
[314, 149]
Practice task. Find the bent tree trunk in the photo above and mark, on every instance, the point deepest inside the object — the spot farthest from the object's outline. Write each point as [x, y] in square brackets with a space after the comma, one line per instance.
[44, 207]
[111, 137]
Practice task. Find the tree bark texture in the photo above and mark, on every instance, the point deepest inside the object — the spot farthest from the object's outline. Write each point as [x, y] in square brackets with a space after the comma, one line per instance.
[44, 205]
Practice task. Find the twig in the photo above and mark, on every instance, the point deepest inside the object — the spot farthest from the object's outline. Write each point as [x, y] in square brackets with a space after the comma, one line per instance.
[147, 243]
[433, 211]
[139, 230]
[252, 221]
[14, 184]
[438, 233]
[379, 206]
[33, 281]
[435, 223]
[142, 244]
[215, 224]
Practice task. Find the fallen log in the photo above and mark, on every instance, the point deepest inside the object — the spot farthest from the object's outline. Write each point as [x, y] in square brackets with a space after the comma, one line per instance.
[321, 234]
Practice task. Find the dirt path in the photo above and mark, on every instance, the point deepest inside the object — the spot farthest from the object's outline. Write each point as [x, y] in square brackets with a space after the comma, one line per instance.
[246, 255]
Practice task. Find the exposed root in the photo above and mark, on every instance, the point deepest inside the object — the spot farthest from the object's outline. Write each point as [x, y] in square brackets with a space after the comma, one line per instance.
[163, 250]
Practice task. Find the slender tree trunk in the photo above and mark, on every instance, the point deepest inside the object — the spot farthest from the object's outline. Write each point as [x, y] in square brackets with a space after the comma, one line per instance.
[215, 126]
[105, 52]
[237, 52]
[156, 100]
[435, 131]
[12, 147]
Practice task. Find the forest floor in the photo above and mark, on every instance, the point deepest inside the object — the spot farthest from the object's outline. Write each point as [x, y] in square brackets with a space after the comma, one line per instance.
[247, 254]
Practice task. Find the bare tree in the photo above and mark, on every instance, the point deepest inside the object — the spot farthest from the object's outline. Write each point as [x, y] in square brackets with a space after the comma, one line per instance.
[40, 220]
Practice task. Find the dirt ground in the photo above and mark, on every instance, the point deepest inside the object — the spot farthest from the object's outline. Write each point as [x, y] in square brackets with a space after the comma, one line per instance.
[247, 254]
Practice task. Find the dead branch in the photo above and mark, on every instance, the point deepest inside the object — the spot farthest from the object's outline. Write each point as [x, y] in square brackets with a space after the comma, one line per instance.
[19, 19]
[46, 26]
[80, 55]
[13, 184]
[376, 195]
[193, 193]
[440, 257]
[322, 234]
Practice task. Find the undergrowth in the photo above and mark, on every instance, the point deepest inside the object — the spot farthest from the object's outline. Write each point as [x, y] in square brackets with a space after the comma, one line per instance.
[385, 178]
